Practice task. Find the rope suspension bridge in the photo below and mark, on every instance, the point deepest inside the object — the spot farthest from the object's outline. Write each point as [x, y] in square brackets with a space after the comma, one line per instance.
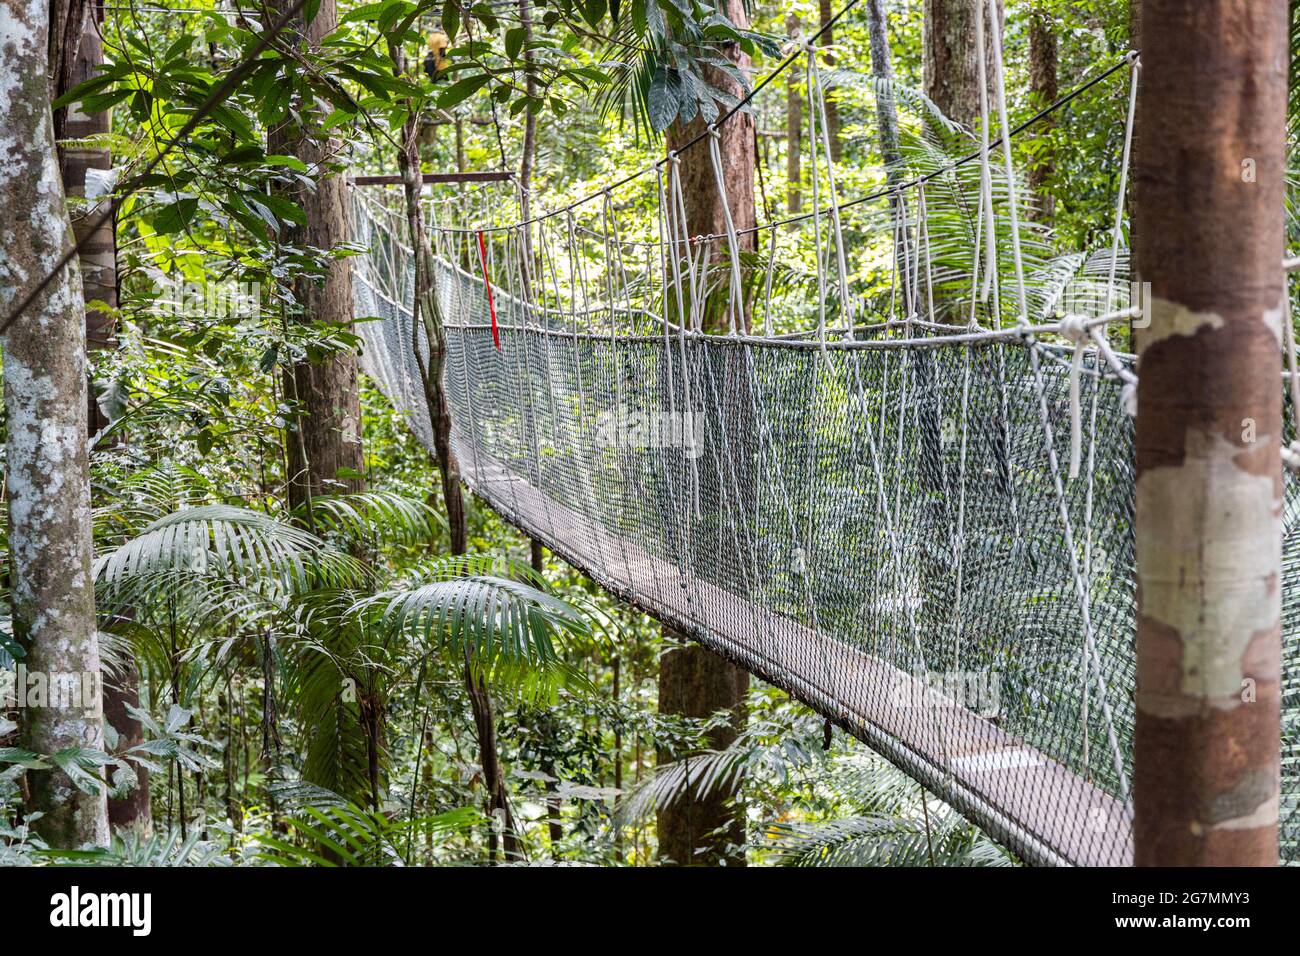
[914, 512]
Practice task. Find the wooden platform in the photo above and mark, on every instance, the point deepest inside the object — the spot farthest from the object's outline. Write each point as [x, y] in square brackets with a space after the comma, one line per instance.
[1023, 798]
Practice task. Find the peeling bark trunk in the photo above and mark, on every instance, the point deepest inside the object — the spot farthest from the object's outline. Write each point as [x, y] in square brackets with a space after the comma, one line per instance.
[1043, 92]
[1210, 181]
[47, 471]
[951, 67]
[328, 421]
[693, 681]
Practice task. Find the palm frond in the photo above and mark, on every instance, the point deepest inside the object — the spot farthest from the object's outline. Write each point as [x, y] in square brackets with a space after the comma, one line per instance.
[347, 835]
[371, 515]
[166, 848]
[228, 542]
[487, 618]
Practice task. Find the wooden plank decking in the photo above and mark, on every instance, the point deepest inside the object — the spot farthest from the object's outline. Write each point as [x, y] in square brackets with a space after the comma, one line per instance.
[1019, 795]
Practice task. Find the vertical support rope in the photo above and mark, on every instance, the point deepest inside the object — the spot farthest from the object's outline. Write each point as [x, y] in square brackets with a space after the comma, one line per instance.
[846, 304]
[736, 299]
[816, 195]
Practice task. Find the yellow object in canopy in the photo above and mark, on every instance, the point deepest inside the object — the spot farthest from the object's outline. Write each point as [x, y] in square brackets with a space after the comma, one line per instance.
[436, 61]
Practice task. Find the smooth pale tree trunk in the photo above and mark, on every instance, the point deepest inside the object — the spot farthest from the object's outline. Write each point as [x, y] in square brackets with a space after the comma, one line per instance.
[950, 62]
[47, 472]
[694, 681]
[793, 133]
[325, 452]
[1210, 188]
[98, 262]
[824, 14]
[1043, 92]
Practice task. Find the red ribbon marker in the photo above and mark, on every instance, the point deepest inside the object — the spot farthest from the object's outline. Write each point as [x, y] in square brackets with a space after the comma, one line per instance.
[482, 258]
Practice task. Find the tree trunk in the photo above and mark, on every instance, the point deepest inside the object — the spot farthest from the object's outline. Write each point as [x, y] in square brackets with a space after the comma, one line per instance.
[98, 263]
[47, 470]
[428, 317]
[951, 67]
[1043, 92]
[694, 681]
[69, 20]
[793, 133]
[699, 830]
[1210, 184]
[324, 451]
[824, 14]
[529, 153]
[704, 212]
[886, 108]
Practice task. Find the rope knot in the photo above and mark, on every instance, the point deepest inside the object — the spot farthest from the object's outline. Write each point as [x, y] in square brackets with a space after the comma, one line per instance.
[1291, 456]
[1128, 399]
[713, 131]
[1075, 328]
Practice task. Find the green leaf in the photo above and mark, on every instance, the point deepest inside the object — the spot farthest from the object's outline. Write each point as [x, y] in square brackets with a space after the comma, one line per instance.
[515, 42]
[450, 19]
[394, 10]
[284, 209]
[176, 217]
[293, 162]
[463, 89]
[79, 763]
[24, 758]
[663, 100]
[593, 11]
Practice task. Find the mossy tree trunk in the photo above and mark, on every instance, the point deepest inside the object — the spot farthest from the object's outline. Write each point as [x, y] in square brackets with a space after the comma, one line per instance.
[47, 470]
